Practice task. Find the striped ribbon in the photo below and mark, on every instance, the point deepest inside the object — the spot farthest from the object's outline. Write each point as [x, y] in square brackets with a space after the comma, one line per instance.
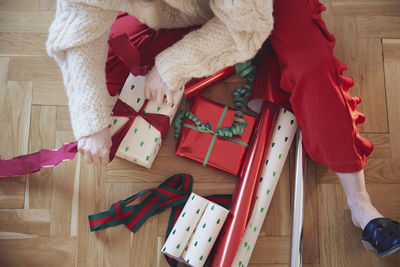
[173, 192]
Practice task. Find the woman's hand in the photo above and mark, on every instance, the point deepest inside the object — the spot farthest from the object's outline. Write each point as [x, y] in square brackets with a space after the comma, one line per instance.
[155, 88]
[96, 147]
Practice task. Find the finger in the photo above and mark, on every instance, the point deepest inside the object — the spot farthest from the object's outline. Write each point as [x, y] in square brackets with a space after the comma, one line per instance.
[170, 97]
[160, 97]
[88, 158]
[96, 159]
[105, 157]
[104, 160]
[147, 93]
[80, 147]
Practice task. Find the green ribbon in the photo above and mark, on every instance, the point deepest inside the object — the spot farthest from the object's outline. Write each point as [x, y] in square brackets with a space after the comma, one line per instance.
[223, 137]
[210, 147]
[245, 70]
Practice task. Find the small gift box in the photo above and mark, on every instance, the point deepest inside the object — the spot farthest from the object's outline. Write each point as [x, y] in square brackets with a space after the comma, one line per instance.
[225, 153]
[140, 124]
[195, 232]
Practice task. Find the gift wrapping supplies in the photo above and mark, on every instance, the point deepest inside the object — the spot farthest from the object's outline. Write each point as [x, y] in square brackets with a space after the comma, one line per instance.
[240, 210]
[143, 140]
[226, 154]
[195, 231]
[281, 140]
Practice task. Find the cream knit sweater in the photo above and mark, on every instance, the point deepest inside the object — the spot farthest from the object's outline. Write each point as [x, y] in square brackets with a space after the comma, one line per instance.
[232, 32]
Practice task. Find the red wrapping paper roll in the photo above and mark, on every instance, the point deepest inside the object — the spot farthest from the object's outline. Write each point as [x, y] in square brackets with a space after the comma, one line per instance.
[195, 86]
[235, 225]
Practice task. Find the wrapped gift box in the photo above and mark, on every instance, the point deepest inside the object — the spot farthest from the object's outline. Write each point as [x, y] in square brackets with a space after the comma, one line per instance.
[195, 231]
[142, 142]
[208, 149]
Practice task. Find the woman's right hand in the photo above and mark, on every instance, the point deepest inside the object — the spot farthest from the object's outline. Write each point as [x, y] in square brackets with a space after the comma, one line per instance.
[96, 147]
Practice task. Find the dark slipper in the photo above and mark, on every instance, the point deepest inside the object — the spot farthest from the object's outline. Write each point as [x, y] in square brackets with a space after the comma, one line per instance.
[382, 235]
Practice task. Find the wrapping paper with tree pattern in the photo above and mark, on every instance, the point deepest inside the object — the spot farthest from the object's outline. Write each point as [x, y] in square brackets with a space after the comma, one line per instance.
[281, 140]
[195, 231]
[142, 141]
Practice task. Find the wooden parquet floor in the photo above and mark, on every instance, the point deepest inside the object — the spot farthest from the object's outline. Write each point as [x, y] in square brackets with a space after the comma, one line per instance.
[43, 216]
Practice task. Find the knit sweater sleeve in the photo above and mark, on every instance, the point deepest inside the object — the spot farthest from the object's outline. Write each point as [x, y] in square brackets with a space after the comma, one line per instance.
[234, 35]
[78, 42]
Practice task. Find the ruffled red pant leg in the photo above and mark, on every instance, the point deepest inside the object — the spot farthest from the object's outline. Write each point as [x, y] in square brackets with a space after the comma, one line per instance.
[319, 98]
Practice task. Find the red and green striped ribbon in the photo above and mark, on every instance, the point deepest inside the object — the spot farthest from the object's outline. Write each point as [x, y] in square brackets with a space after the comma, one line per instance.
[173, 192]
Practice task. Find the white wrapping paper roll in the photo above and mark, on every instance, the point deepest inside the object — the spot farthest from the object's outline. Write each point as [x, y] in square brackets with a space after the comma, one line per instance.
[184, 226]
[281, 140]
[205, 235]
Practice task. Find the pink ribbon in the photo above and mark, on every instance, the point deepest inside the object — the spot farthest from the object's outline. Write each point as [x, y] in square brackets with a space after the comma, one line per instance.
[45, 158]
[31, 163]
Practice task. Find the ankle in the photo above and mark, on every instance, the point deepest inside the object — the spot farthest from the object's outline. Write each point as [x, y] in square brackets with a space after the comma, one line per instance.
[359, 200]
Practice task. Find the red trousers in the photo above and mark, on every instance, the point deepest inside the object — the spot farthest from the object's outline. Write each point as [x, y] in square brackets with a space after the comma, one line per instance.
[301, 73]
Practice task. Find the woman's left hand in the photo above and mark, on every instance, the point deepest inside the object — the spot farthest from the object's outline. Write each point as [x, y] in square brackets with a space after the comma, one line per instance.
[155, 88]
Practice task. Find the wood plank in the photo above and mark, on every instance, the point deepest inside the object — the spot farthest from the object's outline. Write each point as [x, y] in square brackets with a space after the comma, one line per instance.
[161, 261]
[15, 103]
[366, 7]
[33, 69]
[310, 226]
[385, 171]
[364, 60]
[117, 240]
[392, 69]
[91, 200]
[12, 192]
[144, 244]
[52, 93]
[339, 238]
[49, 93]
[29, 21]
[380, 167]
[23, 44]
[19, 5]
[63, 191]
[331, 219]
[353, 251]
[42, 135]
[43, 251]
[48, 4]
[386, 198]
[15, 109]
[4, 62]
[63, 119]
[378, 26]
[271, 249]
[381, 144]
[391, 50]
[392, 261]
[24, 221]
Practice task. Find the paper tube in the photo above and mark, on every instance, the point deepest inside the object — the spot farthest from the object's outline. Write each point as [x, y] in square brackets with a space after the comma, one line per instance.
[235, 224]
[195, 86]
[281, 140]
[205, 235]
[184, 226]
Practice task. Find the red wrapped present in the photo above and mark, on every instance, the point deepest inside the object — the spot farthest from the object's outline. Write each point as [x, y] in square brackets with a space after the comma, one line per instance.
[224, 153]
